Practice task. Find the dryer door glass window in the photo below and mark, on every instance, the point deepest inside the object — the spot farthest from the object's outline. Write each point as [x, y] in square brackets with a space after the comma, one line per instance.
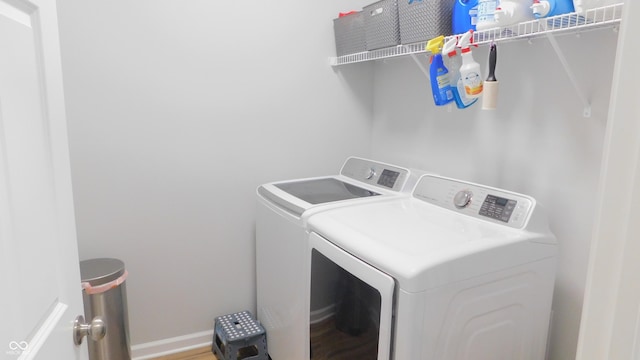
[325, 190]
[350, 314]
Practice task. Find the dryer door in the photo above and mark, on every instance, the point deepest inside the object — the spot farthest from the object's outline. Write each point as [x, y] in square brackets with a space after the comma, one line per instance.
[351, 305]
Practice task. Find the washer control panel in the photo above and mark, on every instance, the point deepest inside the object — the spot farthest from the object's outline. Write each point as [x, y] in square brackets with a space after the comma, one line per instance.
[376, 173]
[498, 208]
[482, 202]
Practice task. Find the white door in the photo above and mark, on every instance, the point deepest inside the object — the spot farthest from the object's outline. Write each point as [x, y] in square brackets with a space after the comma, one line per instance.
[610, 326]
[40, 295]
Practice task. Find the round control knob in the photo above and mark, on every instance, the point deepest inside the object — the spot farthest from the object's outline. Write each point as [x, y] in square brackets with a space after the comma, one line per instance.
[370, 174]
[462, 199]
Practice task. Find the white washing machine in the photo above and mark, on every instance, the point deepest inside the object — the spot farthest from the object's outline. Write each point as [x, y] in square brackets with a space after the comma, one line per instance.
[282, 265]
[456, 271]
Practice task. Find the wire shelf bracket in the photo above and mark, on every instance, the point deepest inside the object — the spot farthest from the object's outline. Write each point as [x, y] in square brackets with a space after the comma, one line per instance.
[420, 65]
[567, 68]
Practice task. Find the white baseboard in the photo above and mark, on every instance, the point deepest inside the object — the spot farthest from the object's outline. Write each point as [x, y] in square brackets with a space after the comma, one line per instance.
[170, 346]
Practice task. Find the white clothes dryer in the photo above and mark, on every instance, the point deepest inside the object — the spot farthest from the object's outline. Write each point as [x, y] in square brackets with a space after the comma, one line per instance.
[282, 242]
[456, 271]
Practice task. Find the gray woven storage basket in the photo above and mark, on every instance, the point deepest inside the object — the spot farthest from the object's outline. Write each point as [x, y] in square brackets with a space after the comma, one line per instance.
[349, 34]
[422, 20]
[382, 28]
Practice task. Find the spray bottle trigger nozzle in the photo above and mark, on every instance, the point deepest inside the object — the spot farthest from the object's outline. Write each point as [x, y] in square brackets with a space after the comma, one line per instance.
[434, 45]
[466, 40]
[449, 47]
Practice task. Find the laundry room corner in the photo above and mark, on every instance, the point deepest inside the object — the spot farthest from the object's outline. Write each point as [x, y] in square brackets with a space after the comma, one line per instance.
[186, 122]
[176, 113]
[536, 142]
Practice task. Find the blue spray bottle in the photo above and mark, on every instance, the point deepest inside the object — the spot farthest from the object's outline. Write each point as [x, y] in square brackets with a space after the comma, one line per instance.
[453, 62]
[439, 74]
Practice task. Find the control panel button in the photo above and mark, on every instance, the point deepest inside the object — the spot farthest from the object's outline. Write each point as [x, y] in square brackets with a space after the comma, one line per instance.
[462, 199]
[369, 174]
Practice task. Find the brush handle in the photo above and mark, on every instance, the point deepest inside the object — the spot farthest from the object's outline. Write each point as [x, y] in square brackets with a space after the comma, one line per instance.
[493, 58]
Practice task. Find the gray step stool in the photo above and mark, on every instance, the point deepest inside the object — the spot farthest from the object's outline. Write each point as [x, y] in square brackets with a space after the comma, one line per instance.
[239, 336]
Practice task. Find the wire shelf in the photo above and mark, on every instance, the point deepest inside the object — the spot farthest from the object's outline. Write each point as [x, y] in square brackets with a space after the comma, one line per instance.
[568, 23]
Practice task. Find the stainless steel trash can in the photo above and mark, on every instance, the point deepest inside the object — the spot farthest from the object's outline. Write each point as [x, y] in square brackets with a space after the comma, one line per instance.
[105, 296]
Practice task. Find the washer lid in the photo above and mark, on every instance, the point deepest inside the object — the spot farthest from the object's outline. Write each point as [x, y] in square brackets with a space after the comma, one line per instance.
[319, 191]
[101, 271]
[359, 179]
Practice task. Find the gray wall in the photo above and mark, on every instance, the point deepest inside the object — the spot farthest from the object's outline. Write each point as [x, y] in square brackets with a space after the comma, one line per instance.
[536, 143]
[177, 111]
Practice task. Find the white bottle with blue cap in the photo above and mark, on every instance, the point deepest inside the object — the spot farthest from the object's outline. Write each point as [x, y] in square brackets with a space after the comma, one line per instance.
[546, 8]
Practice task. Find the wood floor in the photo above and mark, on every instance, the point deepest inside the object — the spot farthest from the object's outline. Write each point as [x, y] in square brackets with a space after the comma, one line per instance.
[344, 347]
[195, 354]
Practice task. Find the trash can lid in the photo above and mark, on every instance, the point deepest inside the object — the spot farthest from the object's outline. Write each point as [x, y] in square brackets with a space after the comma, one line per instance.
[100, 271]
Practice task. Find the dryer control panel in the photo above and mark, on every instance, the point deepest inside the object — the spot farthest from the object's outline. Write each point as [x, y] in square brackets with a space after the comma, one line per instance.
[376, 173]
[479, 201]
